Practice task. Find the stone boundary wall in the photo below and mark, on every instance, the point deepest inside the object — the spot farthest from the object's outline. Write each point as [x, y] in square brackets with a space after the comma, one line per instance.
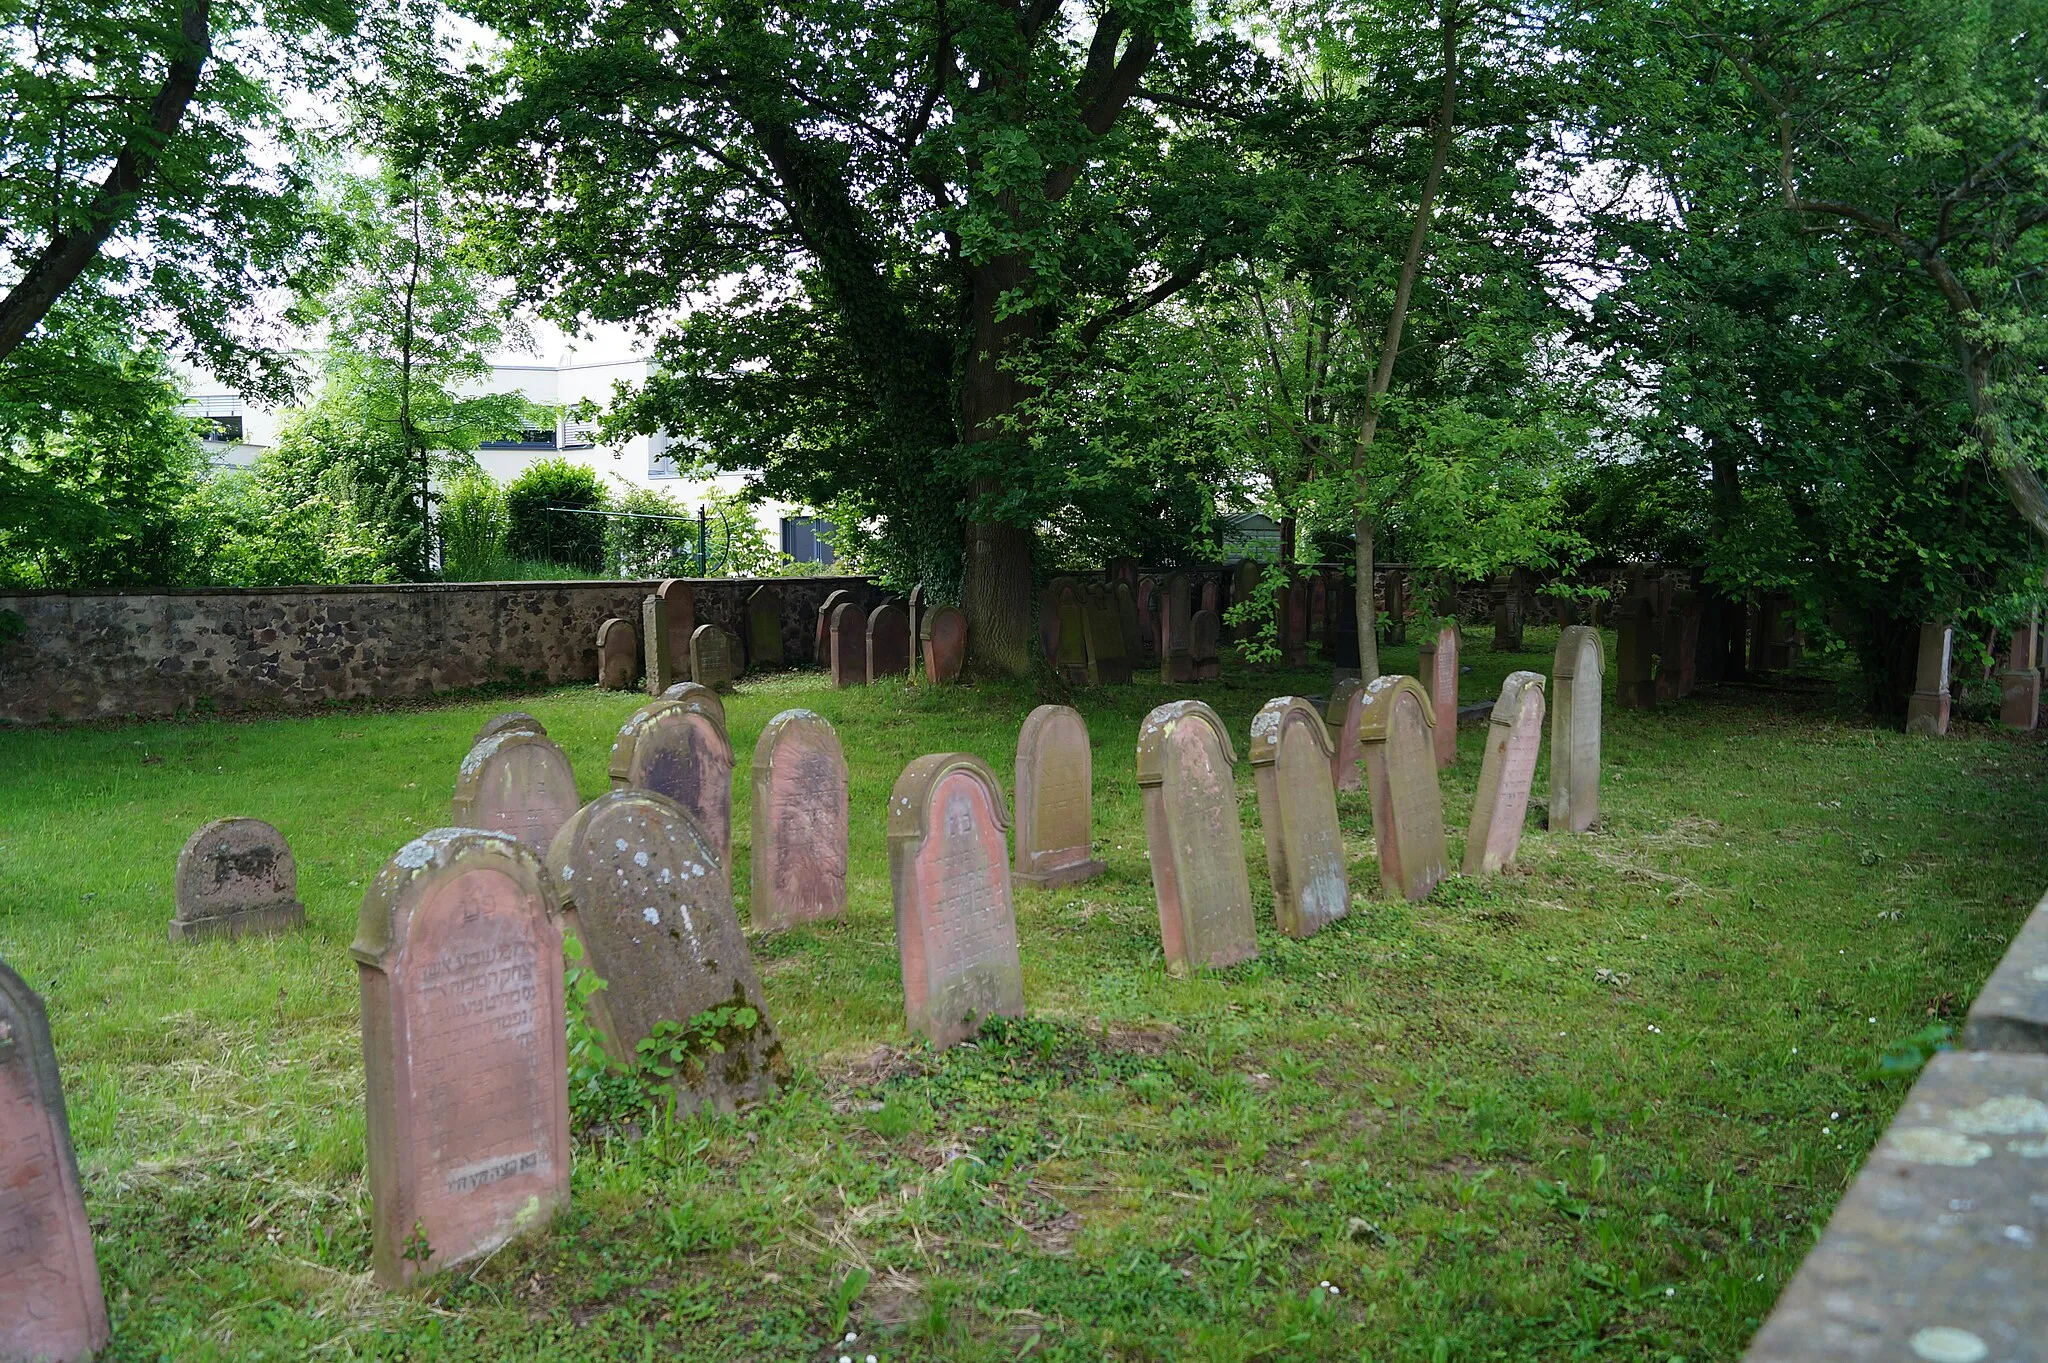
[86, 656]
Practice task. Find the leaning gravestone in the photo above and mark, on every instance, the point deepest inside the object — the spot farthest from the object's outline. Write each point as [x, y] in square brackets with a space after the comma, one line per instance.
[618, 661]
[1439, 663]
[888, 644]
[822, 653]
[655, 644]
[51, 1307]
[644, 890]
[1927, 709]
[236, 878]
[1575, 731]
[678, 748]
[1400, 767]
[945, 644]
[849, 645]
[1347, 702]
[702, 696]
[1290, 757]
[465, 1049]
[512, 721]
[955, 927]
[680, 601]
[1055, 799]
[713, 660]
[1205, 633]
[1176, 663]
[764, 627]
[1513, 736]
[517, 783]
[1108, 663]
[1193, 838]
[800, 823]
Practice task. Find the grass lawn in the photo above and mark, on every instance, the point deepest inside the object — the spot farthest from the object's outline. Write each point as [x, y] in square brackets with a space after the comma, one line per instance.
[1597, 1107]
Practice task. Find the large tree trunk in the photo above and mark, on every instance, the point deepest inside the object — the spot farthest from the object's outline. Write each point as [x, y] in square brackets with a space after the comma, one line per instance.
[995, 584]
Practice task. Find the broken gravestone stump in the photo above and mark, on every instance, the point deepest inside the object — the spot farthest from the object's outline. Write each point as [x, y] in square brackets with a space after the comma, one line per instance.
[235, 878]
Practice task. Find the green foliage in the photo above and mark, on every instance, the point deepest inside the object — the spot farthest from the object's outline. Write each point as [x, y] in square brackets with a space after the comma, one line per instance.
[474, 526]
[650, 547]
[676, 1050]
[1906, 1057]
[560, 536]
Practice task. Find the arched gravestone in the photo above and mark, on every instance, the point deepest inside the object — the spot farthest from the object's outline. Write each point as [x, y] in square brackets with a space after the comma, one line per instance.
[764, 627]
[955, 928]
[644, 890]
[1193, 838]
[618, 661]
[1439, 663]
[678, 748]
[1055, 799]
[822, 654]
[888, 644]
[1407, 806]
[945, 644]
[236, 877]
[680, 600]
[699, 694]
[800, 822]
[464, 1046]
[1575, 730]
[1103, 634]
[849, 645]
[1176, 664]
[1290, 756]
[51, 1307]
[1205, 646]
[714, 661]
[655, 646]
[512, 721]
[1244, 584]
[1347, 704]
[518, 783]
[1513, 737]
[1070, 659]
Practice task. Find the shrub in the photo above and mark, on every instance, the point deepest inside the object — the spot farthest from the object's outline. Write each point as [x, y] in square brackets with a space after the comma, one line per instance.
[639, 547]
[532, 532]
[474, 527]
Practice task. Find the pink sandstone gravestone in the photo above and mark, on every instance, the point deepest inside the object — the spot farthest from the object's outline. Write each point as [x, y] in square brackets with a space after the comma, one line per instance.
[945, 644]
[1290, 756]
[1205, 635]
[714, 661]
[700, 695]
[955, 928]
[888, 644]
[1575, 731]
[1347, 702]
[822, 652]
[1439, 666]
[464, 1046]
[512, 721]
[849, 639]
[1102, 632]
[1176, 663]
[1148, 620]
[1927, 709]
[764, 627]
[618, 650]
[1193, 838]
[678, 748]
[800, 823]
[2019, 685]
[1513, 737]
[1070, 656]
[655, 646]
[1407, 805]
[680, 600]
[235, 878]
[1055, 799]
[518, 783]
[642, 888]
[1049, 619]
[1125, 598]
[51, 1307]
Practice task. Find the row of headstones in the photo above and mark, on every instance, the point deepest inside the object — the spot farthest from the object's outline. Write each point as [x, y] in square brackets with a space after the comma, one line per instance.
[1656, 641]
[669, 646]
[860, 647]
[2019, 681]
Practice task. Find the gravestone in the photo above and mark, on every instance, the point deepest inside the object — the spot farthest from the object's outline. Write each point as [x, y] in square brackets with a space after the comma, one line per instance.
[919, 603]
[821, 653]
[701, 695]
[679, 748]
[459, 956]
[618, 650]
[1397, 606]
[680, 598]
[764, 627]
[849, 645]
[1575, 731]
[236, 878]
[1439, 667]
[2011, 1011]
[1125, 598]
[1686, 610]
[948, 869]
[1927, 710]
[945, 644]
[1294, 616]
[1176, 663]
[1290, 757]
[644, 890]
[1123, 569]
[714, 662]
[1205, 653]
[1319, 604]
[1514, 735]
[1055, 799]
[1340, 638]
[1407, 805]
[512, 721]
[888, 644]
[1507, 615]
[1148, 620]
[1049, 620]
[800, 823]
[515, 783]
[655, 645]
[1211, 596]
[2019, 686]
[51, 1306]
[1102, 630]
[1347, 702]
[1193, 838]
[1245, 578]
[1070, 650]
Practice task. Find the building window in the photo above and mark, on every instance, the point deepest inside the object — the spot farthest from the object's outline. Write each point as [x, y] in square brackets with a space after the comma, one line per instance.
[660, 463]
[807, 539]
[220, 430]
[528, 439]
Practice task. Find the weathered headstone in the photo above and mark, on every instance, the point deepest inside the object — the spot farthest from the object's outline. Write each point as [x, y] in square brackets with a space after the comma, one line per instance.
[1513, 737]
[679, 748]
[1049, 620]
[1125, 598]
[800, 822]
[1507, 615]
[764, 626]
[1193, 838]
[1575, 730]
[1245, 580]
[1294, 616]
[236, 878]
[1927, 709]
[1397, 606]
[1340, 635]
[512, 721]
[1102, 630]
[1319, 603]
[1124, 569]
[944, 643]
[1686, 610]
[644, 890]
[2011, 1011]
[948, 868]
[1205, 650]
[849, 645]
[822, 652]
[465, 1050]
[701, 695]
[1055, 799]
[51, 1306]
[1210, 598]
[618, 654]
[1176, 663]
[1407, 805]
[1347, 704]
[680, 598]
[1439, 668]
[1148, 620]
[2019, 686]
[888, 644]
[516, 783]
[1290, 757]
[1070, 649]
[655, 645]
[714, 662]
[919, 604]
